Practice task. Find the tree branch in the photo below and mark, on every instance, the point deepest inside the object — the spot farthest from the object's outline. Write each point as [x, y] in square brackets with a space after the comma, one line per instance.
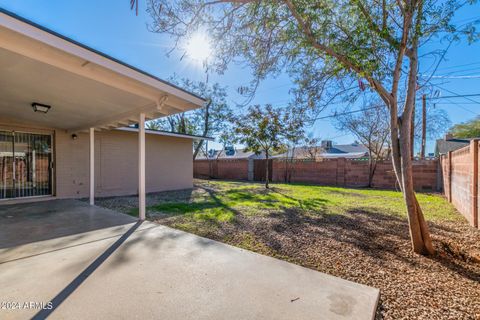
[332, 53]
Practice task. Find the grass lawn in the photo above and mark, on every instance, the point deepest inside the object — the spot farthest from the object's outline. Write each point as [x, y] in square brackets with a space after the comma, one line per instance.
[357, 234]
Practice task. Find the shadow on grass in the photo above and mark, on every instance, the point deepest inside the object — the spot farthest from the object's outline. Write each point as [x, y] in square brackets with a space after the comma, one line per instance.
[305, 204]
[376, 235]
[212, 209]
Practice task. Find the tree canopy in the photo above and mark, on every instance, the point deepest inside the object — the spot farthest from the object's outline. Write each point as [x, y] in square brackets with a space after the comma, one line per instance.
[265, 130]
[469, 129]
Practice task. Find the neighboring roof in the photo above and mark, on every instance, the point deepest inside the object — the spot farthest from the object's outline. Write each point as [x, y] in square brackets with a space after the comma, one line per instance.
[444, 146]
[337, 151]
[54, 33]
[239, 154]
[168, 133]
[348, 148]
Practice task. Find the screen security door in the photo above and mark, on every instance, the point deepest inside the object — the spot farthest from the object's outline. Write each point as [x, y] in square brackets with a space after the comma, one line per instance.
[25, 164]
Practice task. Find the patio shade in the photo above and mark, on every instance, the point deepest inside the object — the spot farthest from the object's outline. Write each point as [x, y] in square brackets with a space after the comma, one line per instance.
[84, 87]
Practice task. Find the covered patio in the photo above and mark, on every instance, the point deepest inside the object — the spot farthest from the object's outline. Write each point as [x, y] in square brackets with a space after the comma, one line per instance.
[55, 90]
[87, 262]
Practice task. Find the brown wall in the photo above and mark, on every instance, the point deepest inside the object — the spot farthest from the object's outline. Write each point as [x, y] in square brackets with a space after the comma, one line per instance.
[168, 163]
[335, 172]
[221, 169]
[460, 178]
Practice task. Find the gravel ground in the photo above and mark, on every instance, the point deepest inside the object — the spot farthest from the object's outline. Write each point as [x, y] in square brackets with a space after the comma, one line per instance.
[364, 247]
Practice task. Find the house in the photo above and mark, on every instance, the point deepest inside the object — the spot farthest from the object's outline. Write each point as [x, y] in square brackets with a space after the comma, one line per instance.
[229, 153]
[449, 143]
[64, 118]
[327, 150]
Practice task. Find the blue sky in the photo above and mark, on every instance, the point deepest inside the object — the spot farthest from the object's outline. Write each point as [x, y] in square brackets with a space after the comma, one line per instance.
[109, 26]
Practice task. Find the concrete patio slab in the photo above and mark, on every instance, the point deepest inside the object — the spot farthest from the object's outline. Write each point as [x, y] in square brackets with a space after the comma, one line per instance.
[128, 270]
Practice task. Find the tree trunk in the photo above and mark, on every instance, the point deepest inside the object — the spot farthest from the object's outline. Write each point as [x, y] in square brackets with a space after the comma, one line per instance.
[370, 169]
[424, 126]
[419, 232]
[412, 132]
[266, 170]
[401, 130]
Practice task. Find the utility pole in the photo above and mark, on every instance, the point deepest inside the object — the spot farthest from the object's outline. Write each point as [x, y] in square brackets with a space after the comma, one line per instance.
[424, 125]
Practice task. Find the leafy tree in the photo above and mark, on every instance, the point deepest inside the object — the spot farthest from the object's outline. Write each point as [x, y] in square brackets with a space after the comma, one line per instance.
[371, 127]
[468, 129]
[327, 47]
[267, 130]
[208, 121]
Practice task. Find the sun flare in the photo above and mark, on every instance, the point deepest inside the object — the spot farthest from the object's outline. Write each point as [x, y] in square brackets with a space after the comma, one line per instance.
[198, 47]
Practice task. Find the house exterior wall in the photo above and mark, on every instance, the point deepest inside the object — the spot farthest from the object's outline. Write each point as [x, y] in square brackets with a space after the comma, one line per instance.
[168, 164]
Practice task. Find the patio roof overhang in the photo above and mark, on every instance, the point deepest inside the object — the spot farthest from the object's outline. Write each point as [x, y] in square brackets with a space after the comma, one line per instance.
[85, 88]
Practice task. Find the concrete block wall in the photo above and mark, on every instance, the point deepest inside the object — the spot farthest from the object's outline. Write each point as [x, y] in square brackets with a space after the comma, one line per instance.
[168, 164]
[333, 172]
[460, 178]
[221, 169]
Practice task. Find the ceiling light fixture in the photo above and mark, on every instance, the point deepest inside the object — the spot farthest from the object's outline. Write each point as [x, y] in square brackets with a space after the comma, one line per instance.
[39, 107]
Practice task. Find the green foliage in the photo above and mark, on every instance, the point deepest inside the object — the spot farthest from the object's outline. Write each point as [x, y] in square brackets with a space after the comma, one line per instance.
[193, 122]
[469, 129]
[266, 130]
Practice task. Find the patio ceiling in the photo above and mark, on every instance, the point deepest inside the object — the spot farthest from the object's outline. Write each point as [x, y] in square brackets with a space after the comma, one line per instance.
[83, 87]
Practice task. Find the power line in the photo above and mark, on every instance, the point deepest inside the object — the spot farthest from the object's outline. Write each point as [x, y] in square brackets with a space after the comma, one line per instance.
[476, 76]
[432, 98]
[459, 66]
[462, 107]
[344, 113]
[453, 96]
[450, 91]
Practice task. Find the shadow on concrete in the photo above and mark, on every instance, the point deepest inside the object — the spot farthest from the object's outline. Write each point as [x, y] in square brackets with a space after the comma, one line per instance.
[38, 221]
[72, 286]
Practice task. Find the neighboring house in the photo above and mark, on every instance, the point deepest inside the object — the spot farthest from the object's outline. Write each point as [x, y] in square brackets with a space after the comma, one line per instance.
[326, 150]
[229, 153]
[61, 109]
[449, 143]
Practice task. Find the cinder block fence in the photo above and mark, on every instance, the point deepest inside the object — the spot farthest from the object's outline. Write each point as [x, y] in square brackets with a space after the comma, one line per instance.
[460, 179]
[332, 172]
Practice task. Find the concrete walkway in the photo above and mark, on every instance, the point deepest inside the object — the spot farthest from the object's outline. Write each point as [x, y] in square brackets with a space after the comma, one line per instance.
[104, 265]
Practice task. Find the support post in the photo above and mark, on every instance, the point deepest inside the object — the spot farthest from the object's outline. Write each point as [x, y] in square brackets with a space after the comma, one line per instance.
[141, 167]
[474, 186]
[92, 165]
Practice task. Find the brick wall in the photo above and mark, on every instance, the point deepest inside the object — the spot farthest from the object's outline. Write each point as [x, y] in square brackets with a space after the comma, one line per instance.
[354, 173]
[168, 164]
[221, 169]
[334, 172]
[460, 178]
